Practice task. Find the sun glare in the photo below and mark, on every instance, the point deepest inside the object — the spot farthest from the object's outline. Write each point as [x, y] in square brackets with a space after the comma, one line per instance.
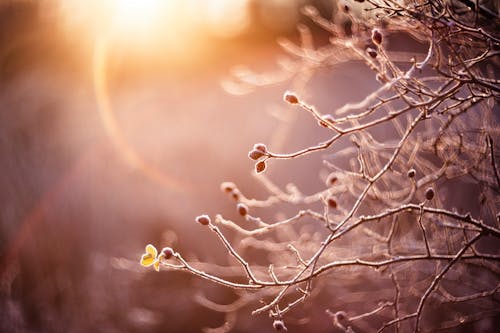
[149, 28]
[135, 16]
[227, 18]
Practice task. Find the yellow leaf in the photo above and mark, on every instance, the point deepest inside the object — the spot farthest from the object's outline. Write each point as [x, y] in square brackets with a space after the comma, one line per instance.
[150, 249]
[147, 260]
[157, 265]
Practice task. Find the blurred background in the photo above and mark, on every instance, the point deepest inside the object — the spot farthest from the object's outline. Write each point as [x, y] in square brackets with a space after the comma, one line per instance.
[119, 119]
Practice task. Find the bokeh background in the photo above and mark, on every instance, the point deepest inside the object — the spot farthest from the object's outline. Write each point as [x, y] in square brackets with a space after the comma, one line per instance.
[80, 200]
[117, 125]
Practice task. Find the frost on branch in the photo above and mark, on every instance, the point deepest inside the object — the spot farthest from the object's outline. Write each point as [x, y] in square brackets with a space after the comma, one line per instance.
[382, 246]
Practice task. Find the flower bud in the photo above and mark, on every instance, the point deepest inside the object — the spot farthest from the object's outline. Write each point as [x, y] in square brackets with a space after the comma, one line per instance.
[376, 36]
[340, 315]
[260, 166]
[331, 179]
[260, 147]
[371, 52]
[203, 219]
[291, 98]
[242, 209]
[429, 193]
[411, 173]
[227, 187]
[332, 203]
[235, 195]
[167, 252]
[255, 154]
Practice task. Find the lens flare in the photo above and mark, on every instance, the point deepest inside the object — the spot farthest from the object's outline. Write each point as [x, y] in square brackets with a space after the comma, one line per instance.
[131, 157]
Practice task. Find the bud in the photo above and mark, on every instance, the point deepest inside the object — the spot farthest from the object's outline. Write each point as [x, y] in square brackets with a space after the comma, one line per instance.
[411, 173]
[255, 154]
[429, 193]
[203, 219]
[167, 252]
[332, 203]
[242, 209]
[227, 187]
[371, 52]
[340, 315]
[236, 195]
[332, 179]
[260, 166]
[279, 325]
[376, 36]
[290, 98]
[260, 147]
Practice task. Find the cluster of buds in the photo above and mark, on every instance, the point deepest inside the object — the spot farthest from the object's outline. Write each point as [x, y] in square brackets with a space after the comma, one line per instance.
[230, 188]
[153, 258]
[377, 39]
[259, 150]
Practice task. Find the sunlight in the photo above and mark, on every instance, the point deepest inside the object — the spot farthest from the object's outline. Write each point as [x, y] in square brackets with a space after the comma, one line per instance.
[158, 20]
[156, 31]
[226, 18]
[136, 16]
[126, 20]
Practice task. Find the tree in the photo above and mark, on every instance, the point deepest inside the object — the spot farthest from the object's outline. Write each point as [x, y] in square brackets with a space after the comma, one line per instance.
[382, 242]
